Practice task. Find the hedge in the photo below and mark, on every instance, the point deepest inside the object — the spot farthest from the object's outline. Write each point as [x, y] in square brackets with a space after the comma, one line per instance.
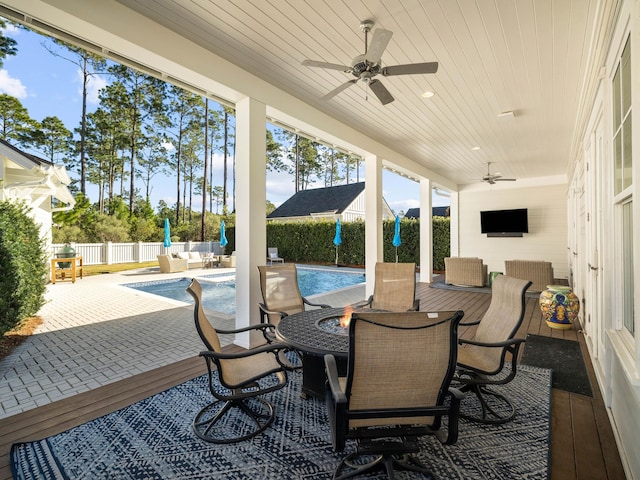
[312, 241]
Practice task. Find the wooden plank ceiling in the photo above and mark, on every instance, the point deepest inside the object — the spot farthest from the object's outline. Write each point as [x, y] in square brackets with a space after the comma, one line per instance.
[530, 57]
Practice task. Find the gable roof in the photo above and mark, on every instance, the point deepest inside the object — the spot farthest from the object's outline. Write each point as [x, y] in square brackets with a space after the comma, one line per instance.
[318, 200]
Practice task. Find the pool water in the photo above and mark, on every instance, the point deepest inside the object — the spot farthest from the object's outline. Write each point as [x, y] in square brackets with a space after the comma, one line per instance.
[219, 291]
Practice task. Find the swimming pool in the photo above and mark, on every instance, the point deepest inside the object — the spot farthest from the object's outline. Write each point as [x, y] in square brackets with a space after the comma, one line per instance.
[219, 290]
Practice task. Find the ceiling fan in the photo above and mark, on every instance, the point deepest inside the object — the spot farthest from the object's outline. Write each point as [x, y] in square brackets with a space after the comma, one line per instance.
[365, 67]
[492, 178]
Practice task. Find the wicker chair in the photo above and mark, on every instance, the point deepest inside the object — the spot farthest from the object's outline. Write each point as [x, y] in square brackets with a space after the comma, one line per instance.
[394, 289]
[388, 400]
[539, 272]
[240, 376]
[465, 271]
[483, 360]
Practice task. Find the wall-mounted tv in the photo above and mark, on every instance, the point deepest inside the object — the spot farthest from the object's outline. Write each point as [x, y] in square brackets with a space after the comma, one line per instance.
[504, 223]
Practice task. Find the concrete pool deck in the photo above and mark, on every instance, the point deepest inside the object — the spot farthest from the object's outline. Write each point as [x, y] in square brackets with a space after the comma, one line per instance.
[97, 331]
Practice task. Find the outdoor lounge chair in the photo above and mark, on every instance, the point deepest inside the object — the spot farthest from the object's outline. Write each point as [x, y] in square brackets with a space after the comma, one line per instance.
[483, 360]
[281, 293]
[396, 389]
[272, 256]
[465, 271]
[240, 375]
[394, 289]
[168, 264]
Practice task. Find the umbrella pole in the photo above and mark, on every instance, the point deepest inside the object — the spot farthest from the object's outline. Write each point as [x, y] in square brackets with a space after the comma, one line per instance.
[396, 254]
[336, 255]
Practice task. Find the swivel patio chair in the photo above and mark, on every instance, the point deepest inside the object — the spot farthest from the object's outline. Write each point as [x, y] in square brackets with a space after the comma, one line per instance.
[397, 389]
[394, 289]
[281, 293]
[490, 358]
[239, 411]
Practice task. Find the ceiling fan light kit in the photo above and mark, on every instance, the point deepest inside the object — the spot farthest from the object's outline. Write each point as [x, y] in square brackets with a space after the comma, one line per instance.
[368, 65]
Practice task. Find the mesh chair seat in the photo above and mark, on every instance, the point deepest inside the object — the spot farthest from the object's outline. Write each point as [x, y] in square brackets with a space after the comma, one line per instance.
[239, 412]
[389, 399]
[483, 361]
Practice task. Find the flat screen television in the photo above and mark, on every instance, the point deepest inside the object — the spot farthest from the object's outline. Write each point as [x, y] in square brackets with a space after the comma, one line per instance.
[504, 223]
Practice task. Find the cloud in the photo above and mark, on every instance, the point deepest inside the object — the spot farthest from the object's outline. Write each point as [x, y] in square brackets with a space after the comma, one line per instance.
[12, 86]
[94, 85]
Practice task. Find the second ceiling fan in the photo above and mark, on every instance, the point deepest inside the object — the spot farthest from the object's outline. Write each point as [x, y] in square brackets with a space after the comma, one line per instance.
[367, 66]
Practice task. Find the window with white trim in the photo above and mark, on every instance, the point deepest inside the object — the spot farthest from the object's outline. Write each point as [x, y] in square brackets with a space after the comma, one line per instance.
[623, 180]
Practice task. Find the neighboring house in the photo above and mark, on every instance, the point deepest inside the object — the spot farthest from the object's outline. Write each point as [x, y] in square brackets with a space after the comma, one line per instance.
[36, 182]
[436, 212]
[342, 201]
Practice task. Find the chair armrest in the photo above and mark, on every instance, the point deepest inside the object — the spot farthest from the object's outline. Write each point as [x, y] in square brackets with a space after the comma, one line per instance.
[262, 326]
[452, 420]
[264, 308]
[504, 343]
[333, 379]
[270, 347]
[468, 324]
[321, 305]
[364, 303]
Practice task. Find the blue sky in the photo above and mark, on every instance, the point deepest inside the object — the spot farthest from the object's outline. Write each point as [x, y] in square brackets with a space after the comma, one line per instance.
[51, 86]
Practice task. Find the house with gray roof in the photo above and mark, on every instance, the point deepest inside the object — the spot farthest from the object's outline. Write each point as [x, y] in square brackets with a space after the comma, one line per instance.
[341, 201]
[414, 213]
[40, 184]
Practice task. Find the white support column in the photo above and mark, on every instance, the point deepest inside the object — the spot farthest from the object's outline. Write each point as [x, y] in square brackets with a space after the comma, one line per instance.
[426, 231]
[373, 218]
[454, 225]
[251, 194]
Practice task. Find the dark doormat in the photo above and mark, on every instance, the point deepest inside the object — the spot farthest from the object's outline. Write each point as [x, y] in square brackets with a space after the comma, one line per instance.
[563, 357]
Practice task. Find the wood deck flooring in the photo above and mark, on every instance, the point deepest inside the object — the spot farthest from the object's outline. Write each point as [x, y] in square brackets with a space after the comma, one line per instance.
[583, 446]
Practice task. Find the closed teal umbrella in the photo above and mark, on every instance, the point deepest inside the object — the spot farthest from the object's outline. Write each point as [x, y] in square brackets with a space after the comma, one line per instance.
[337, 240]
[167, 233]
[223, 237]
[396, 236]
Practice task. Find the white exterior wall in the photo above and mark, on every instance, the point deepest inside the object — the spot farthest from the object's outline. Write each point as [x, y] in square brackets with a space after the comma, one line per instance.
[547, 237]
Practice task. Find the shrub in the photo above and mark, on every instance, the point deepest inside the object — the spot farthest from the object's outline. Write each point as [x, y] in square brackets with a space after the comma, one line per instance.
[23, 266]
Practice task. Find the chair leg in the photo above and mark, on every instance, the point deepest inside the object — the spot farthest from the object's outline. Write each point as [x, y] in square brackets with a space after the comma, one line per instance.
[210, 425]
[495, 407]
[360, 464]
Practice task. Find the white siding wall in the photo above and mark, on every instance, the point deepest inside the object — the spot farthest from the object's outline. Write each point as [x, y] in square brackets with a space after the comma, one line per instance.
[547, 237]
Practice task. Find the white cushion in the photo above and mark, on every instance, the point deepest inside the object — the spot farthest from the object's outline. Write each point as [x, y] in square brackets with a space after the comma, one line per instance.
[184, 255]
[194, 255]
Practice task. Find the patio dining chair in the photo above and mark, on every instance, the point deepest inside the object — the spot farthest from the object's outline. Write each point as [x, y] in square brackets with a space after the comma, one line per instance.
[394, 289]
[280, 293]
[239, 412]
[490, 357]
[388, 399]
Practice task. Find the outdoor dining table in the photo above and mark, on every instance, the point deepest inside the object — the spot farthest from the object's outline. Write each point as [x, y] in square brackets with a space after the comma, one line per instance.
[315, 333]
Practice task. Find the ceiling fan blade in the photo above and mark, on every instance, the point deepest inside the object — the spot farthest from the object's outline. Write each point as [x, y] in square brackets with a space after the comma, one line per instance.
[505, 179]
[378, 45]
[342, 87]
[331, 66]
[381, 92]
[410, 69]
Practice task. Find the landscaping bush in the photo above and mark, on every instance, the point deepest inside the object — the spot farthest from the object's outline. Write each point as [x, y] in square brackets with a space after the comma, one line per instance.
[23, 266]
[312, 241]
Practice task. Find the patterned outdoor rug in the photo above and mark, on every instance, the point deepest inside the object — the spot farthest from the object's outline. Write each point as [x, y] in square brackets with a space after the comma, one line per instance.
[152, 439]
